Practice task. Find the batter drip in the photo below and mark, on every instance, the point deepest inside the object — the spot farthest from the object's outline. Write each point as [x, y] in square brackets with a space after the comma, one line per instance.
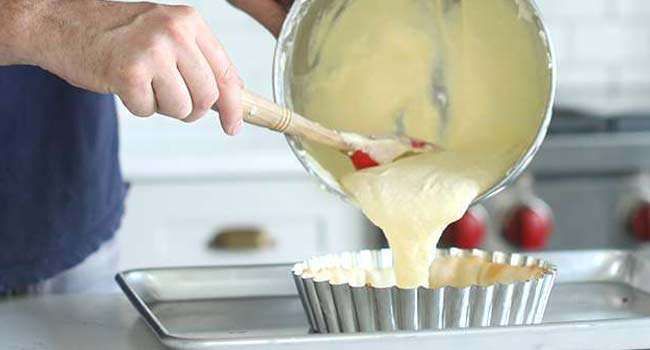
[471, 76]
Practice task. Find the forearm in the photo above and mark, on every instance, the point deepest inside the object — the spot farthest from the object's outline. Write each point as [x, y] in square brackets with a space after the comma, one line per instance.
[65, 37]
[18, 20]
[156, 58]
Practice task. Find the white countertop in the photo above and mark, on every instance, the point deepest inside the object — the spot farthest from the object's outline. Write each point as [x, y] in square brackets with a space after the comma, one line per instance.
[73, 322]
[109, 322]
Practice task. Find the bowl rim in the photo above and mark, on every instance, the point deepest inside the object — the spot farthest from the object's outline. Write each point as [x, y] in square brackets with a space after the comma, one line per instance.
[327, 180]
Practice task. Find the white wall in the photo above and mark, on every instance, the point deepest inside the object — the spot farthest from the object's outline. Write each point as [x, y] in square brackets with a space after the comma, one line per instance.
[603, 50]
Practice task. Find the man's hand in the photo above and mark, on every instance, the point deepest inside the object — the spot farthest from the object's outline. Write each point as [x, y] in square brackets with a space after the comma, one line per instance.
[155, 58]
[270, 13]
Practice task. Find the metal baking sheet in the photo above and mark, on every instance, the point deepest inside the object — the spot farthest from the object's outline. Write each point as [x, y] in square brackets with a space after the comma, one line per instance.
[601, 301]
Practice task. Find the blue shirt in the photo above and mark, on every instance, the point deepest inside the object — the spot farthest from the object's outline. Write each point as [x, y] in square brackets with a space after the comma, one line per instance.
[61, 190]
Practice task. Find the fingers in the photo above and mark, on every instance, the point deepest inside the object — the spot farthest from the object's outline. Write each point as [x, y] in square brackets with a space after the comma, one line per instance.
[172, 96]
[137, 93]
[228, 82]
[229, 103]
[172, 64]
[270, 14]
[200, 80]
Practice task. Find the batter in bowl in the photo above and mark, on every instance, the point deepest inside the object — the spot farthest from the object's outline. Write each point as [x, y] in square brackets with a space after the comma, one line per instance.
[471, 76]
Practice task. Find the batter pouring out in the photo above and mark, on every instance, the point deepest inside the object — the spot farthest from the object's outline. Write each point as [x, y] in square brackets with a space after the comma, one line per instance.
[438, 70]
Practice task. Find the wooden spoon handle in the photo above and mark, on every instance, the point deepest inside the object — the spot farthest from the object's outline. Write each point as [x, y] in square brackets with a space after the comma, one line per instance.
[262, 112]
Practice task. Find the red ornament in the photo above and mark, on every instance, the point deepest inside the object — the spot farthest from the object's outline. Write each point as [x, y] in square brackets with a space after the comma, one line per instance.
[466, 233]
[640, 222]
[528, 229]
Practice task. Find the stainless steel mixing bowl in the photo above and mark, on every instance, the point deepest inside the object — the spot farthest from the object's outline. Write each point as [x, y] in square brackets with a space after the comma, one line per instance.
[304, 13]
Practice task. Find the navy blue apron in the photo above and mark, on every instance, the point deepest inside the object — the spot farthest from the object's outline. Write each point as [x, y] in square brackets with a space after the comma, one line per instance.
[61, 190]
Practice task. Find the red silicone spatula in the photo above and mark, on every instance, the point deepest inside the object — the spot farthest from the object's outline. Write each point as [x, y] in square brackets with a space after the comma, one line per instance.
[364, 151]
[361, 159]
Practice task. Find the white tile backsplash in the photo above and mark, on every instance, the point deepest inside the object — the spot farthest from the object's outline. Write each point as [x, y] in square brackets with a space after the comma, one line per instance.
[633, 8]
[635, 75]
[575, 8]
[603, 48]
[594, 43]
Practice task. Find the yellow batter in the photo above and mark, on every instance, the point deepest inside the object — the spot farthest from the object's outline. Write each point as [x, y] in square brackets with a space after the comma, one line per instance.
[458, 272]
[470, 75]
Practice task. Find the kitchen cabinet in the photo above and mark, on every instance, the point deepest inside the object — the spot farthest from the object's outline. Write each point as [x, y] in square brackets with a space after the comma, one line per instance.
[172, 222]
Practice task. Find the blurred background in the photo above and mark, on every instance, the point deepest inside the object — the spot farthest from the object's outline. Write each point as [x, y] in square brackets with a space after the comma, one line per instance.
[199, 197]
